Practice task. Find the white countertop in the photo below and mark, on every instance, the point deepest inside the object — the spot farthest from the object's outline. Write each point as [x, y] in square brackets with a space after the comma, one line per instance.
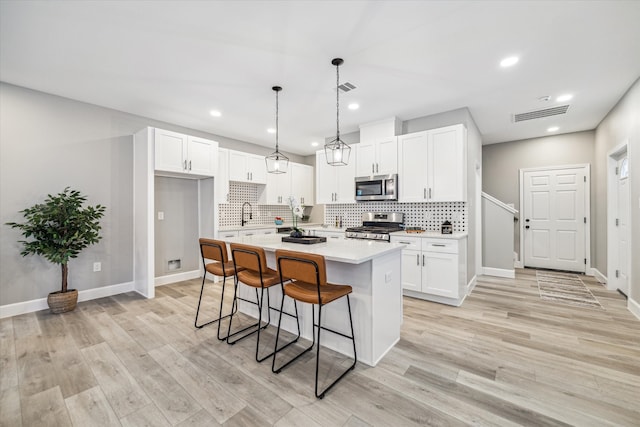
[351, 251]
[430, 235]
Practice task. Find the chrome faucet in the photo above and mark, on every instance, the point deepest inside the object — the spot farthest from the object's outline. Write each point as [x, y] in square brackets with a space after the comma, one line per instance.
[242, 221]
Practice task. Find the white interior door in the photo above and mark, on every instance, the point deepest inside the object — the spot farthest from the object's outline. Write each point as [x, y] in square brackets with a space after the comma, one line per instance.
[622, 221]
[554, 219]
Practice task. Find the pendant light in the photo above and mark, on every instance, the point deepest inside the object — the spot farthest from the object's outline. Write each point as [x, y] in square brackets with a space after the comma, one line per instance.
[337, 151]
[276, 161]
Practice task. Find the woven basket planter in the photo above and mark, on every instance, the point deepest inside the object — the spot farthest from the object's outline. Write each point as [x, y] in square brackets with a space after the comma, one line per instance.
[62, 302]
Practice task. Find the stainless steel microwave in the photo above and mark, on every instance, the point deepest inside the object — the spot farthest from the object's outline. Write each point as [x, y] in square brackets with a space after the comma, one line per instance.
[377, 187]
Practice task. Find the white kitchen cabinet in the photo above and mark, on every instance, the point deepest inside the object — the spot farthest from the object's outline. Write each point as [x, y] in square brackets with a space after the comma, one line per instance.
[432, 165]
[278, 188]
[302, 183]
[334, 184]
[222, 177]
[177, 154]
[246, 167]
[227, 234]
[433, 268]
[379, 157]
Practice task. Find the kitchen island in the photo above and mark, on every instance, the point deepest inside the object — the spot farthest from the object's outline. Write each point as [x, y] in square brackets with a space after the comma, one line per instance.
[371, 268]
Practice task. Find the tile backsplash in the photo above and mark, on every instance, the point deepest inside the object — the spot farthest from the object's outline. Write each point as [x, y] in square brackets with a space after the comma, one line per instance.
[429, 216]
[261, 214]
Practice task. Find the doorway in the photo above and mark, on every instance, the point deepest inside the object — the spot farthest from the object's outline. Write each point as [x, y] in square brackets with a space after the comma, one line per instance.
[618, 220]
[555, 218]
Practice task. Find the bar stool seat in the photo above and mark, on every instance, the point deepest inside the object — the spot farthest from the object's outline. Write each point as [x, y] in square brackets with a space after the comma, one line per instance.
[215, 251]
[251, 267]
[308, 283]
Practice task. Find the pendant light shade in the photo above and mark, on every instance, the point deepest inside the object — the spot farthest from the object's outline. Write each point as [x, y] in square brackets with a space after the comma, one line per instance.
[276, 161]
[337, 151]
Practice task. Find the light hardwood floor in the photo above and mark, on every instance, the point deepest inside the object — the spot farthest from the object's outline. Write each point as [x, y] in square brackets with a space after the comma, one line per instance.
[504, 358]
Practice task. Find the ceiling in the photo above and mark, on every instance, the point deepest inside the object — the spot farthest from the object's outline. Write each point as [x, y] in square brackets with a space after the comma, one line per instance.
[175, 61]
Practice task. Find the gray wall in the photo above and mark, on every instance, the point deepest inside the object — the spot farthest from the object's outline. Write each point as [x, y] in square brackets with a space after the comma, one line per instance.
[622, 123]
[497, 233]
[502, 163]
[49, 142]
[176, 237]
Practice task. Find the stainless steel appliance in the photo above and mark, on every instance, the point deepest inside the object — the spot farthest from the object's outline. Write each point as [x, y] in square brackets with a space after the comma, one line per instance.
[377, 187]
[377, 226]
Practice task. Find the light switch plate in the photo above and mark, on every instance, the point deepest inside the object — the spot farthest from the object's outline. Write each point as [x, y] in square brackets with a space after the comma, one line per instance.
[160, 216]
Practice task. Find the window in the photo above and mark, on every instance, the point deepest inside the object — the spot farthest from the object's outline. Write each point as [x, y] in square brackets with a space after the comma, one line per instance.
[624, 168]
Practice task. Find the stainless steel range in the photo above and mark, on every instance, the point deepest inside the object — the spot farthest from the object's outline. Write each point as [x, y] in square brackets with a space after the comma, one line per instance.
[377, 226]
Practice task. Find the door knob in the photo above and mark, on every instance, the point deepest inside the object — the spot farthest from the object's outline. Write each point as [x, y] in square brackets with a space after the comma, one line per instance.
[527, 220]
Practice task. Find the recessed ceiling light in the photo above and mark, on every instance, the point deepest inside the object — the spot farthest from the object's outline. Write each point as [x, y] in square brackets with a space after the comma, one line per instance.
[510, 61]
[354, 106]
[314, 144]
[215, 113]
[271, 130]
[553, 129]
[563, 98]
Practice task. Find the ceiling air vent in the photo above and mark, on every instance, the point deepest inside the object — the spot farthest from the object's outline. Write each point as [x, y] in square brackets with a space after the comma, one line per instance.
[346, 87]
[538, 114]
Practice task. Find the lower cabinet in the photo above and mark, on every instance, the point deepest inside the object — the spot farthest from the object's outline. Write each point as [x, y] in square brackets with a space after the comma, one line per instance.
[434, 269]
[256, 231]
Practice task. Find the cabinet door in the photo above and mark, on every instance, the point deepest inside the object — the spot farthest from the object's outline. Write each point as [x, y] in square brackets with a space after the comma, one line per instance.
[257, 169]
[412, 149]
[238, 166]
[202, 156]
[325, 180]
[411, 270]
[222, 177]
[387, 156]
[440, 274]
[447, 164]
[302, 183]
[170, 151]
[365, 159]
[346, 184]
[278, 188]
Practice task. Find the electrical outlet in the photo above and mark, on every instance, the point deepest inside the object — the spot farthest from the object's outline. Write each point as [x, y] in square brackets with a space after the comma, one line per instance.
[160, 216]
[97, 266]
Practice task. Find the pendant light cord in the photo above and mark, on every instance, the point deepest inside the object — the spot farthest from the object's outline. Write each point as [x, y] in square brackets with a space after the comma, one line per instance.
[337, 102]
[277, 122]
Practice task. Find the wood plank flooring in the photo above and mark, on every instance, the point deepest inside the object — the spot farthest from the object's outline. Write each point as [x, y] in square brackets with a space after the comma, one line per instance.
[504, 358]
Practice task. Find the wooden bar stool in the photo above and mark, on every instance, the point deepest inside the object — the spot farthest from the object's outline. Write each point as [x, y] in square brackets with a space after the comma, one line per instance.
[251, 269]
[220, 265]
[308, 275]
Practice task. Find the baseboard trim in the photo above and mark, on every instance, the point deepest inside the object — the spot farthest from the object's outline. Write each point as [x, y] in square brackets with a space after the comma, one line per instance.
[499, 272]
[518, 264]
[173, 278]
[471, 285]
[24, 307]
[599, 276]
[633, 307]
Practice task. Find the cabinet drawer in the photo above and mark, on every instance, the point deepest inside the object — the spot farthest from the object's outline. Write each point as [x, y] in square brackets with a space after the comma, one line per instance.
[411, 242]
[440, 245]
[228, 234]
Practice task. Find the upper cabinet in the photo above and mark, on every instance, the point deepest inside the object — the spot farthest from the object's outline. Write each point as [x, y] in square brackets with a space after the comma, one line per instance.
[177, 154]
[302, 183]
[433, 165]
[377, 152]
[222, 178]
[297, 182]
[245, 167]
[334, 184]
[378, 157]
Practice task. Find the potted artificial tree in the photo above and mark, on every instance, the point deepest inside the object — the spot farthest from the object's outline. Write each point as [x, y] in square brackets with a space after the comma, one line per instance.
[58, 230]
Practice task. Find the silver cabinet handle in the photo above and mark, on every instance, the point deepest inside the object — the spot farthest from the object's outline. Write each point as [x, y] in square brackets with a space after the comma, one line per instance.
[252, 177]
[189, 164]
[438, 244]
[429, 192]
[185, 165]
[423, 260]
[247, 176]
[248, 234]
[376, 168]
[425, 193]
[227, 197]
[406, 243]
[373, 168]
[417, 259]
